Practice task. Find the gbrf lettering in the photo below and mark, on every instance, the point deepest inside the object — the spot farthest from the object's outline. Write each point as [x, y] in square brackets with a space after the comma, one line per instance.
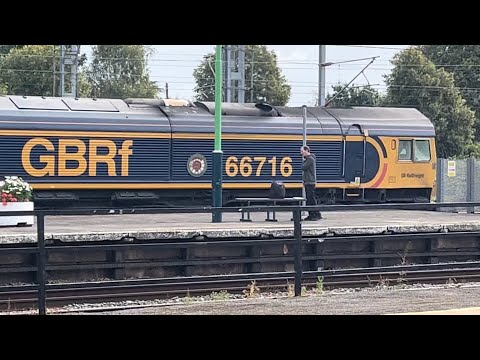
[61, 156]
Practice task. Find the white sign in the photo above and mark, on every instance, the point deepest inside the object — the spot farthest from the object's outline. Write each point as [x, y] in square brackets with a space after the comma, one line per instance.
[452, 170]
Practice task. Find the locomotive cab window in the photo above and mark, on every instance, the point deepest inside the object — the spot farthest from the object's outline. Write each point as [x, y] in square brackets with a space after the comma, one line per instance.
[421, 151]
[405, 150]
[414, 150]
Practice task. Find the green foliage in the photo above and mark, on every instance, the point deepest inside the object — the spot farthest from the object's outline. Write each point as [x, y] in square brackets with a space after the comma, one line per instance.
[290, 290]
[5, 49]
[84, 87]
[218, 296]
[319, 287]
[188, 298]
[120, 71]
[117, 71]
[354, 96]
[416, 82]
[28, 70]
[473, 150]
[269, 84]
[34, 70]
[462, 61]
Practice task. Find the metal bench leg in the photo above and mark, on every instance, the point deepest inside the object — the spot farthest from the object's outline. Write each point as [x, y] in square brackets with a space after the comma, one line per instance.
[248, 215]
[274, 219]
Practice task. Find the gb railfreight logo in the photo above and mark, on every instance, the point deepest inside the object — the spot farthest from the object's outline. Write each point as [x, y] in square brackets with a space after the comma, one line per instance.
[197, 165]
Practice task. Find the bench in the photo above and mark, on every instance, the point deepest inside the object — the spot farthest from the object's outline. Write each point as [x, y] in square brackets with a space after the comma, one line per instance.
[274, 202]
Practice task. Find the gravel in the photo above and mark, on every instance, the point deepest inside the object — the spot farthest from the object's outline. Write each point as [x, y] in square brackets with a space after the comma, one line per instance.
[358, 301]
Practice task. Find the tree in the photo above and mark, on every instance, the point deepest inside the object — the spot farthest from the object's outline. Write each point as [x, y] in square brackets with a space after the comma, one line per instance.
[84, 87]
[416, 82]
[28, 70]
[269, 84]
[5, 49]
[354, 96]
[34, 70]
[120, 71]
[462, 61]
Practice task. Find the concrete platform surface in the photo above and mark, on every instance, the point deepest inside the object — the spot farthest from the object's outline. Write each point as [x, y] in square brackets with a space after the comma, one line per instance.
[186, 226]
[463, 311]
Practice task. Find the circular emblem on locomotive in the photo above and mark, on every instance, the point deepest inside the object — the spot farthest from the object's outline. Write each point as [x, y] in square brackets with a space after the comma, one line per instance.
[197, 165]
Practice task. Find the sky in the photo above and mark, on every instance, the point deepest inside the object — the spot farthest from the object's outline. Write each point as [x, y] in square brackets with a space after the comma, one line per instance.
[174, 64]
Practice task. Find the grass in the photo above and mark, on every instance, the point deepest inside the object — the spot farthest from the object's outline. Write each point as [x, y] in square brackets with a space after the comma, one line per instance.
[319, 287]
[290, 290]
[219, 296]
[252, 291]
[188, 298]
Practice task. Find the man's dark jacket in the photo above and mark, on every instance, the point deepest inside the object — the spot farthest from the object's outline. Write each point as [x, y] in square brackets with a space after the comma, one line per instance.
[309, 170]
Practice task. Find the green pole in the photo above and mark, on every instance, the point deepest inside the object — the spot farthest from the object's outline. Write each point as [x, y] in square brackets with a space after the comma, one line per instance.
[217, 152]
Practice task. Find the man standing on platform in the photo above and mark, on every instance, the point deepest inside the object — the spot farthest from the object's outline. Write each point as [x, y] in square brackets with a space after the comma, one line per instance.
[309, 169]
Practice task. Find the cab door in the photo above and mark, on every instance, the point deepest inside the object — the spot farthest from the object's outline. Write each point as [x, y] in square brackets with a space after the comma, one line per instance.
[355, 142]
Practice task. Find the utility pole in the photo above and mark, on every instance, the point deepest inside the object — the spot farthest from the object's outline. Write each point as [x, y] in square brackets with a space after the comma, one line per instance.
[228, 72]
[62, 70]
[217, 152]
[241, 73]
[305, 115]
[166, 90]
[75, 50]
[53, 66]
[304, 110]
[251, 75]
[322, 55]
[235, 73]
[69, 56]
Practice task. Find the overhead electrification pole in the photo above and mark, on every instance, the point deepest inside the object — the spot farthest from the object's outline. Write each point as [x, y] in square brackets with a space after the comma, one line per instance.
[217, 152]
[322, 55]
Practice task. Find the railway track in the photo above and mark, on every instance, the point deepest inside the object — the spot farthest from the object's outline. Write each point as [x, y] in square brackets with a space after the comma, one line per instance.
[60, 294]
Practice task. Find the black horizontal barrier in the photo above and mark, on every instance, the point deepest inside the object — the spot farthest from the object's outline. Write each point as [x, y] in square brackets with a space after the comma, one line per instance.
[296, 210]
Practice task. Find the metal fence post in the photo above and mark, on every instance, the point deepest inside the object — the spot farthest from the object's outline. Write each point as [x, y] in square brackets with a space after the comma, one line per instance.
[440, 180]
[471, 183]
[41, 260]
[297, 232]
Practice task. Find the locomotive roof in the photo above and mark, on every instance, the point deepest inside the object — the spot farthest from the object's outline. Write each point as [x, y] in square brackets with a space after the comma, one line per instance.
[67, 113]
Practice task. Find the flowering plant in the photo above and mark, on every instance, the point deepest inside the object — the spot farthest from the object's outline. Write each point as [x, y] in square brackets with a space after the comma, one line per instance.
[14, 189]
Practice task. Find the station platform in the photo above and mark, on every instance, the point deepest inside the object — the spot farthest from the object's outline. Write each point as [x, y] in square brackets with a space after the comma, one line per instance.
[188, 226]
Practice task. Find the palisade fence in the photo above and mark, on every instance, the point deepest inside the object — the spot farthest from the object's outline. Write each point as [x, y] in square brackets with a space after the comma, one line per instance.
[458, 181]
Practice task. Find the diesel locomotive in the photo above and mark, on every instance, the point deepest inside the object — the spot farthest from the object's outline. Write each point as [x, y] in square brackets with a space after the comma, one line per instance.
[77, 151]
